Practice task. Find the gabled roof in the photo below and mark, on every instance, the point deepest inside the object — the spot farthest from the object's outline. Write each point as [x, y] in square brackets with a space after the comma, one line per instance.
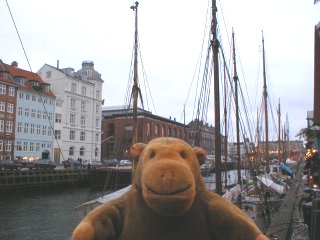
[9, 79]
[18, 72]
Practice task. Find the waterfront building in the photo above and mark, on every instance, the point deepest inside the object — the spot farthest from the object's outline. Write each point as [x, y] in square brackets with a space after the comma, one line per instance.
[201, 134]
[8, 102]
[117, 130]
[34, 115]
[78, 111]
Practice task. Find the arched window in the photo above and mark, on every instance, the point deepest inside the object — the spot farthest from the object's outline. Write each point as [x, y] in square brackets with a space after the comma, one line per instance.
[71, 151]
[82, 151]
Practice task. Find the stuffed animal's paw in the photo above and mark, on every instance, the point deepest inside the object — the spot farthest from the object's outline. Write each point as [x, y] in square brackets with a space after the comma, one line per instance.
[84, 231]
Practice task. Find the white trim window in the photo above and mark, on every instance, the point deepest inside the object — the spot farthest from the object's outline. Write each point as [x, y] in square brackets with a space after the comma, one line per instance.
[11, 91]
[2, 106]
[3, 89]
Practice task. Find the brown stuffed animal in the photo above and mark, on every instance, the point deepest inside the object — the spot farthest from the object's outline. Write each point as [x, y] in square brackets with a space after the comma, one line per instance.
[168, 200]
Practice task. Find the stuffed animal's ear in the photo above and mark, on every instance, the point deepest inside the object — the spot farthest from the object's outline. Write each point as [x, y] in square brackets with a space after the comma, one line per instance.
[201, 154]
[137, 149]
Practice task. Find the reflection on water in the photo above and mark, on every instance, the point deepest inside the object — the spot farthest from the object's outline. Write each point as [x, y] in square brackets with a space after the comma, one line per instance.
[42, 214]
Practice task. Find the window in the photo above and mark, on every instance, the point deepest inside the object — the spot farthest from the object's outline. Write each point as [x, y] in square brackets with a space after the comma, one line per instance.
[27, 96]
[1, 145]
[21, 95]
[38, 114]
[81, 151]
[31, 146]
[96, 152]
[84, 90]
[97, 94]
[34, 98]
[33, 113]
[58, 117]
[72, 103]
[72, 134]
[83, 120]
[1, 125]
[44, 115]
[162, 131]
[48, 74]
[19, 130]
[20, 111]
[26, 128]
[97, 137]
[44, 130]
[37, 147]
[26, 112]
[2, 89]
[25, 146]
[50, 116]
[71, 151]
[9, 126]
[8, 145]
[57, 134]
[156, 130]
[2, 106]
[72, 118]
[97, 108]
[82, 136]
[32, 127]
[73, 87]
[19, 146]
[83, 105]
[38, 129]
[10, 107]
[11, 91]
[97, 122]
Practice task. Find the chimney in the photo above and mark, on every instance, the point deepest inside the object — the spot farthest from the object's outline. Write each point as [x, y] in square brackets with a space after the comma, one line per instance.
[14, 64]
[57, 64]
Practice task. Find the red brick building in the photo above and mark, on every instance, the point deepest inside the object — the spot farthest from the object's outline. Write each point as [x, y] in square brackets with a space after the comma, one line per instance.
[8, 102]
[117, 130]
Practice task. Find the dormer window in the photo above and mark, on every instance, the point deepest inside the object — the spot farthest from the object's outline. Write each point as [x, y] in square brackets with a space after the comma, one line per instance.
[4, 75]
[34, 83]
[45, 87]
[20, 80]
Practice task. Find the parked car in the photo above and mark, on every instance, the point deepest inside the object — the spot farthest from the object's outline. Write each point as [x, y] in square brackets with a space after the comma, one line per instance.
[110, 162]
[42, 164]
[9, 165]
[93, 164]
[24, 163]
[73, 163]
[125, 163]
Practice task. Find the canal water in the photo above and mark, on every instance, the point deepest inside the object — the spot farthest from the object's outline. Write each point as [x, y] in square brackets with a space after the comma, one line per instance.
[48, 213]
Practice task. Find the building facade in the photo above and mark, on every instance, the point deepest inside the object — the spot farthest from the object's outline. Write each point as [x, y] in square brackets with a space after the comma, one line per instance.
[34, 116]
[117, 130]
[78, 111]
[8, 102]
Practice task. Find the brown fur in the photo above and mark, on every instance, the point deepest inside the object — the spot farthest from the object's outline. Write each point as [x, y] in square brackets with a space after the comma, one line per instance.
[168, 201]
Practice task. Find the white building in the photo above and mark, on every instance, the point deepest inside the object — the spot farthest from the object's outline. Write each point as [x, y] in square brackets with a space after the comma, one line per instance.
[78, 111]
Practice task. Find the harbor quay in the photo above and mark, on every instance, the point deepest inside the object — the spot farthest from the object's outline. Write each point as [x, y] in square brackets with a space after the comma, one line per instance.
[106, 177]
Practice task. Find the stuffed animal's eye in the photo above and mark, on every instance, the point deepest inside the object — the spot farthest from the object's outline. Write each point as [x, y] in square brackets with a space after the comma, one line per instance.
[183, 154]
[152, 154]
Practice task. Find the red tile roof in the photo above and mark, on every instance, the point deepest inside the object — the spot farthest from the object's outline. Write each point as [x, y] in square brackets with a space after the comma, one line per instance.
[18, 72]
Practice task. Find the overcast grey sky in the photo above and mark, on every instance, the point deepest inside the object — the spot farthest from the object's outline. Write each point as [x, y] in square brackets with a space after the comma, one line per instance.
[170, 34]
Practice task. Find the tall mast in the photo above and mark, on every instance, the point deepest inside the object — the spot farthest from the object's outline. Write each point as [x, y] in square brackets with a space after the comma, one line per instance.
[225, 129]
[217, 136]
[265, 97]
[279, 132]
[236, 79]
[135, 89]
